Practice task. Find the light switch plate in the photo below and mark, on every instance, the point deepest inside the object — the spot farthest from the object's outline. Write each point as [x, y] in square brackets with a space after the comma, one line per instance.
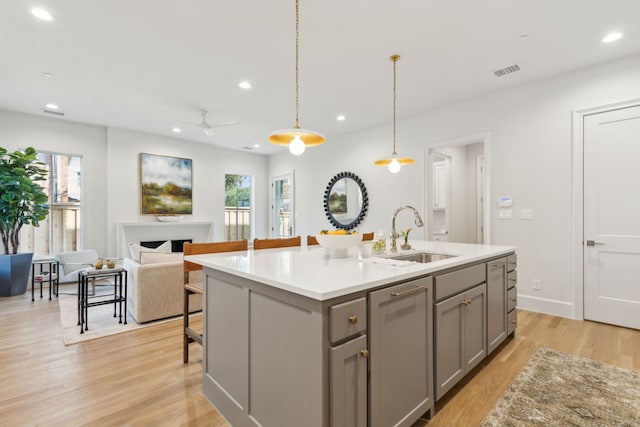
[505, 214]
[526, 214]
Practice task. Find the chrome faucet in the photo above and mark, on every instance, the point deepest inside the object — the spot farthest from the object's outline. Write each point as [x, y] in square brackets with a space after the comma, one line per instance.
[394, 235]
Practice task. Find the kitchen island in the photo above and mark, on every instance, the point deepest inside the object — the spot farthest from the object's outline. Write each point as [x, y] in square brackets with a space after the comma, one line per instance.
[293, 337]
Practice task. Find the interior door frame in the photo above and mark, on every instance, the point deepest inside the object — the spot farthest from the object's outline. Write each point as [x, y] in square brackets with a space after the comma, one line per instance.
[577, 191]
[431, 192]
[480, 137]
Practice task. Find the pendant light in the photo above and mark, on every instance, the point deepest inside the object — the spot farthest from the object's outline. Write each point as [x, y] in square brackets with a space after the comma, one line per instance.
[394, 163]
[297, 139]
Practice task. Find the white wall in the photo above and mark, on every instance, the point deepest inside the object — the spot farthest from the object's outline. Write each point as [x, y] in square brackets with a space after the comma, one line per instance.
[210, 164]
[530, 160]
[110, 172]
[19, 131]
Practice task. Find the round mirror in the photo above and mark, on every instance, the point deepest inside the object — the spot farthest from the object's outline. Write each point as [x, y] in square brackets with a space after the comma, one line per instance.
[345, 200]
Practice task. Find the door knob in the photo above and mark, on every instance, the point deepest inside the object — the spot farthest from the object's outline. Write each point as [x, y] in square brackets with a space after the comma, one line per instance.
[593, 243]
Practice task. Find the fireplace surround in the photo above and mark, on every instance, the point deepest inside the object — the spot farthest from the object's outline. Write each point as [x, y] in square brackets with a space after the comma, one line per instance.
[137, 232]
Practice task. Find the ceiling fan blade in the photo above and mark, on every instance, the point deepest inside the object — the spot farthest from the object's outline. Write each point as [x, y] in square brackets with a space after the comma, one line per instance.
[221, 124]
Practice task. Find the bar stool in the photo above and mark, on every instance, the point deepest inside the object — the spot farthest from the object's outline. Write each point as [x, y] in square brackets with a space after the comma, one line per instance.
[196, 288]
[276, 243]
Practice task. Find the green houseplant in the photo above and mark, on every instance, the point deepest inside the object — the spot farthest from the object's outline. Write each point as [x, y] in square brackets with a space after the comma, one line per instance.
[22, 201]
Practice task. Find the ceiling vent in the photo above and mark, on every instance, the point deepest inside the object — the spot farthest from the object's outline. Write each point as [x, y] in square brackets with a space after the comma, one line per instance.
[501, 72]
[57, 113]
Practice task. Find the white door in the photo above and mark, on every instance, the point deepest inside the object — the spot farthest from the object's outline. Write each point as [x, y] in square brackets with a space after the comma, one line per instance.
[612, 217]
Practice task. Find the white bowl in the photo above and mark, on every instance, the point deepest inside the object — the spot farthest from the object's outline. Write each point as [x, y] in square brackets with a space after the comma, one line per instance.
[338, 244]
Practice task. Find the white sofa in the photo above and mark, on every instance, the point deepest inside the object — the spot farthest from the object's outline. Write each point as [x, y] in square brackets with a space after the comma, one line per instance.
[156, 286]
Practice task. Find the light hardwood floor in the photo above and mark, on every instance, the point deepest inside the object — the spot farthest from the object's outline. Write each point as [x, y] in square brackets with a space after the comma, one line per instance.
[138, 378]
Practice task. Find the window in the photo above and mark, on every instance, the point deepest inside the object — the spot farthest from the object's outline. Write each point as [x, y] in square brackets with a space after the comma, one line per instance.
[237, 210]
[60, 231]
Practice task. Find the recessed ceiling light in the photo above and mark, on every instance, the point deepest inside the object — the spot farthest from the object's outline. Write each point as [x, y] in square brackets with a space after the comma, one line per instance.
[256, 145]
[341, 118]
[48, 75]
[41, 14]
[176, 130]
[245, 85]
[52, 106]
[611, 37]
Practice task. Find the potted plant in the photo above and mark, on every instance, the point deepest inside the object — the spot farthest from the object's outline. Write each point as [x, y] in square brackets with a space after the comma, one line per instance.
[405, 235]
[22, 201]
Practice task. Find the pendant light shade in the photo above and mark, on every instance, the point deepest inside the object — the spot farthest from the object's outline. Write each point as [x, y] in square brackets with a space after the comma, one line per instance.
[297, 139]
[394, 162]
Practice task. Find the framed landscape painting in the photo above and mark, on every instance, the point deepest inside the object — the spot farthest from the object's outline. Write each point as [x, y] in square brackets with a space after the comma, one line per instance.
[165, 185]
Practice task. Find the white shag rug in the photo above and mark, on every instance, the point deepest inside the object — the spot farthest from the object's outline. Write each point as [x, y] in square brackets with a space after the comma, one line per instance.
[101, 321]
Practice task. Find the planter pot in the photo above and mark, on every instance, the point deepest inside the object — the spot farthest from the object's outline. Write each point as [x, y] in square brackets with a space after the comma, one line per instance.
[14, 274]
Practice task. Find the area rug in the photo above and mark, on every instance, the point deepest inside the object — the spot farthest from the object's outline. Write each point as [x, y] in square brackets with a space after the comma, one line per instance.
[559, 389]
[101, 321]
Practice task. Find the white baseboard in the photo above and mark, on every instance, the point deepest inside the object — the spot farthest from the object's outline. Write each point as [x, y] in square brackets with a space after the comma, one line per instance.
[546, 306]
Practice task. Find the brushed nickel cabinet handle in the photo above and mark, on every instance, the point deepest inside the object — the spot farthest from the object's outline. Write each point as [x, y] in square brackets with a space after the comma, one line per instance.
[353, 319]
[408, 291]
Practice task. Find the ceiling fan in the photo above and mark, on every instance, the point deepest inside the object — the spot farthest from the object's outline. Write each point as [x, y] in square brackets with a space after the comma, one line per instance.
[207, 127]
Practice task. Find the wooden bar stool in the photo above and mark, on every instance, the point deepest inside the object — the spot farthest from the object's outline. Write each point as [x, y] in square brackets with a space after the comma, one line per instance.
[190, 335]
[276, 243]
[311, 240]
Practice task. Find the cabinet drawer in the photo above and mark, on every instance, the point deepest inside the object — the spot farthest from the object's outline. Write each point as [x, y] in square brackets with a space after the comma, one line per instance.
[452, 283]
[512, 262]
[512, 279]
[347, 319]
[512, 321]
[512, 298]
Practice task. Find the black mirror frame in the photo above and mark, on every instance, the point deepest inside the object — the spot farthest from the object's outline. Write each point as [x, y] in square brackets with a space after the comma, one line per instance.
[363, 208]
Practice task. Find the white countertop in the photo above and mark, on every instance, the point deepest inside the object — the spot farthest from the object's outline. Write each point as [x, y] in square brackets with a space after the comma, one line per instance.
[310, 271]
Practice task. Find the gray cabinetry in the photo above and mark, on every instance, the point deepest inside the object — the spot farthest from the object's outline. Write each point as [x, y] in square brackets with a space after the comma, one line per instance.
[348, 392]
[400, 361]
[496, 303]
[348, 363]
[512, 294]
[460, 337]
[459, 324]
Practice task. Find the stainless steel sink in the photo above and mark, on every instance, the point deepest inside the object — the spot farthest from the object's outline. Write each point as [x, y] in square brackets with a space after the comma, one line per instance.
[422, 257]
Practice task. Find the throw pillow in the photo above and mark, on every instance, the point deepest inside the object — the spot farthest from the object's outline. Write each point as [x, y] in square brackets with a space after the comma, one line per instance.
[137, 249]
[159, 257]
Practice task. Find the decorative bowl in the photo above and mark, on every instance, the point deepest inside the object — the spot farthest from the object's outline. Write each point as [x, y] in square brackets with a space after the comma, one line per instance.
[338, 244]
[170, 218]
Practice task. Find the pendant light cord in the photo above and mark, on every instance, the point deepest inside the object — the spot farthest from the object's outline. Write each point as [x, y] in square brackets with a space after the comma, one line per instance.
[297, 58]
[394, 59]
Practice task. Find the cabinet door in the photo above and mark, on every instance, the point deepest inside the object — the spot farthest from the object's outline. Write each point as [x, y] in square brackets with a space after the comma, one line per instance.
[400, 343]
[440, 184]
[449, 343]
[475, 335]
[496, 303]
[349, 383]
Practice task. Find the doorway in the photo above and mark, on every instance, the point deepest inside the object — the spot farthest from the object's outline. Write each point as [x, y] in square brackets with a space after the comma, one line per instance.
[610, 240]
[282, 206]
[457, 185]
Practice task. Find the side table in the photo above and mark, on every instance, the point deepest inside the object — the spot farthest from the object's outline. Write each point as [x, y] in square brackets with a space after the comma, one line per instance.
[119, 276]
[50, 275]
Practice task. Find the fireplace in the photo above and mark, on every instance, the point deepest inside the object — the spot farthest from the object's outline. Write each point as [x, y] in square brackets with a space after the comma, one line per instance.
[137, 232]
[176, 245]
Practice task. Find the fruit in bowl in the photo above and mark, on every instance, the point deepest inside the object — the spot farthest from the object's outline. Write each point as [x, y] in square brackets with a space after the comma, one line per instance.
[338, 241]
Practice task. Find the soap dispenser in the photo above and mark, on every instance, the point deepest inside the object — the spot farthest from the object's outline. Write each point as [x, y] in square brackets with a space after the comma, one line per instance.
[379, 244]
